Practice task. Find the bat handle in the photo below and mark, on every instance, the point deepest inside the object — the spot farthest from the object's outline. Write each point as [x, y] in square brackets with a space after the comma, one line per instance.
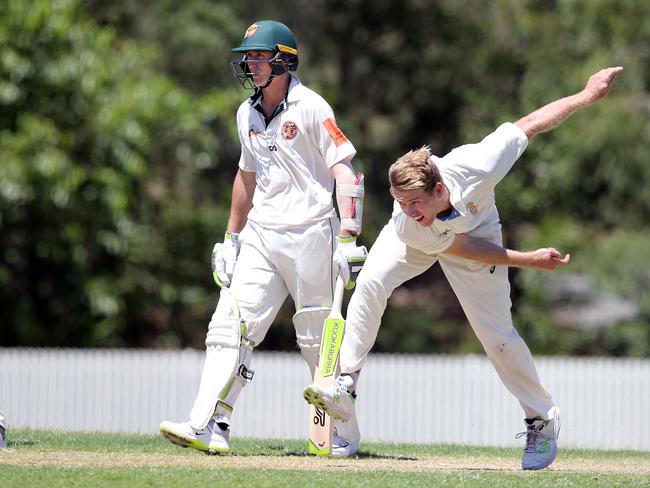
[338, 295]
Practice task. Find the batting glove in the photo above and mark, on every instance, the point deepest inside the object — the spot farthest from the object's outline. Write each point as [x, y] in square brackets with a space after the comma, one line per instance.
[349, 258]
[224, 257]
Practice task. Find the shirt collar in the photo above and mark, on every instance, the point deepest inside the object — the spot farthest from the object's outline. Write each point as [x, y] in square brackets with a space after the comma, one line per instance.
[291, 96]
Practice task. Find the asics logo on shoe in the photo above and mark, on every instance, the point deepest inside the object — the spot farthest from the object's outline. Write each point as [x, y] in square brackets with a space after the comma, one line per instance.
[545, 446]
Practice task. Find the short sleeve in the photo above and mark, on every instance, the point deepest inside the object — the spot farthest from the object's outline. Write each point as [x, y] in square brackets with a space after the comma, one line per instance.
[332, 142]
[500, 150]
[246, 160]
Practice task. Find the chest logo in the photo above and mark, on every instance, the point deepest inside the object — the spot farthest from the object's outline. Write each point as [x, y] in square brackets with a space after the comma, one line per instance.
[289, 130]
[473, 209]
[253, 131]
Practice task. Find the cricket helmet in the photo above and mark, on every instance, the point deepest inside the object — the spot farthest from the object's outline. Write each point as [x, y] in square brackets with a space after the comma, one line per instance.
[267, 35]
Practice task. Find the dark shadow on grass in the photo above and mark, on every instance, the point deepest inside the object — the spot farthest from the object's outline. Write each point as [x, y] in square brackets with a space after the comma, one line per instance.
[20, 442]
[284, 451]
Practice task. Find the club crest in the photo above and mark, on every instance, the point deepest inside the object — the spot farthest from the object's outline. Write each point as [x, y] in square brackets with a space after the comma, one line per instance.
[253, 131]
[471, 206]
[289, 130]
[250, 31]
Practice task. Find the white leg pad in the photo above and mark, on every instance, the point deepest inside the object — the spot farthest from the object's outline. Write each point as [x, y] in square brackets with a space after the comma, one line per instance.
[226, 368]
[308, 323]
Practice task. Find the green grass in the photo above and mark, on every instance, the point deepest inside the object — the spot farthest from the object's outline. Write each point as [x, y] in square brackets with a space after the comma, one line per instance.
[49, 451]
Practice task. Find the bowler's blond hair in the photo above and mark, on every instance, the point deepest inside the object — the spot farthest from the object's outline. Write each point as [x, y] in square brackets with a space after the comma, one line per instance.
[414, 171]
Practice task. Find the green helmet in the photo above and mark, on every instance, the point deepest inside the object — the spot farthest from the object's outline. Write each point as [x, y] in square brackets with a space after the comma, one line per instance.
[268, 35]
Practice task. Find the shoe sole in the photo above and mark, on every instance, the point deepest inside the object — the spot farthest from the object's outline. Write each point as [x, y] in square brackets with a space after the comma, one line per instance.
[193, 443]
[314, 397]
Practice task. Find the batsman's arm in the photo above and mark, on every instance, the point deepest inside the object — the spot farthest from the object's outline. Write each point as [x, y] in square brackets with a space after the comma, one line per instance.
[243, 189]
[486, 251]
[553, 114]
[349, 197]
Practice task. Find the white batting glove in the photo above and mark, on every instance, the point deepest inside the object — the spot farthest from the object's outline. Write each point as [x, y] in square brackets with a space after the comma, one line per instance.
[349, 258]
[224, 258]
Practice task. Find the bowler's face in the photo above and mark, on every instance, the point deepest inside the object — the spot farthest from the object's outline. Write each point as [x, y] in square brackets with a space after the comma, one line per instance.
[420, 205]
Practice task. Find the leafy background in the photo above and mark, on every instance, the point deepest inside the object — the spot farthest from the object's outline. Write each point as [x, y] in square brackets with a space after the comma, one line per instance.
[118, 148]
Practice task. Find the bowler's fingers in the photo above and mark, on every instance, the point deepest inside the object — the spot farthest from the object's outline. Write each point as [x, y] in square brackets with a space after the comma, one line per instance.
[555, 259]
[565, 259]
[611, 73]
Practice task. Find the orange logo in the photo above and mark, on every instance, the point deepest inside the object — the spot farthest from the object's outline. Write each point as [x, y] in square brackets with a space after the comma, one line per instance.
[471, 206]
[250, 31]
[289, 130]
[335, 133]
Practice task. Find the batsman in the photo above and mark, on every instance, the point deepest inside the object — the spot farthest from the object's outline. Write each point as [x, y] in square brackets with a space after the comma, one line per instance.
[439, 202]
[283, 235]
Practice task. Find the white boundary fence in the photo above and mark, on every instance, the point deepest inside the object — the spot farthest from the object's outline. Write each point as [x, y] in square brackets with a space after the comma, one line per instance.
[402, 398]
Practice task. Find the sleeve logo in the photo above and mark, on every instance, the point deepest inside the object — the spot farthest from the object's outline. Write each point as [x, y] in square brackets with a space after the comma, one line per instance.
[289, 130]
[335, 133]
[473, 209]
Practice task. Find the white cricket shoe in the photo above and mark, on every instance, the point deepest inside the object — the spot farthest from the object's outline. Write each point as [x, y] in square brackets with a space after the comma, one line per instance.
[213, 439]
[346, 438]
[337, 400]
[541, 441]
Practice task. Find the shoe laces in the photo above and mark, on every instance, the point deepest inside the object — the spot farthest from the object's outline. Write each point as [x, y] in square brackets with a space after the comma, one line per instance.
[340, 386]
[339, 441]
[533, 436]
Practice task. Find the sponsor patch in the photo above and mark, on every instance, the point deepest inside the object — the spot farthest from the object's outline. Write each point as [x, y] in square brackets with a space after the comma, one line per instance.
[289, 130]
[335, 133]
[250, 31]
[473, 209]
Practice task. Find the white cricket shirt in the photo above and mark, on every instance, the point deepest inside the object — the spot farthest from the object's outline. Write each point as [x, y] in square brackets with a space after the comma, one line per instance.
[470, 172]
[291, 158]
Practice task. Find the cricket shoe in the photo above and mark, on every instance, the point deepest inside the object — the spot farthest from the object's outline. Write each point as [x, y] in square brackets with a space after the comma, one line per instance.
[336, 400]
[213, 439]
[541, 441]
[345, 441]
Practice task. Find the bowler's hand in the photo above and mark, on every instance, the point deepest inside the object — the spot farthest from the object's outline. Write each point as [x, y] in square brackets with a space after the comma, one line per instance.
[547, 258]
[599, 83]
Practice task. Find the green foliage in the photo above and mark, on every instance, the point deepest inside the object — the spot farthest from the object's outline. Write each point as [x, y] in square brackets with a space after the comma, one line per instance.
[101, 162]
[118, 148]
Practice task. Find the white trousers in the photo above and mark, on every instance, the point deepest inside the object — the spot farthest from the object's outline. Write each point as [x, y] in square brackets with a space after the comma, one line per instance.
[273, 264]
[483, 292]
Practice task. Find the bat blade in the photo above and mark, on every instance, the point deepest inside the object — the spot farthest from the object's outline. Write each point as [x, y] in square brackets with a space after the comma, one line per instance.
[320, 442]
[321, 426]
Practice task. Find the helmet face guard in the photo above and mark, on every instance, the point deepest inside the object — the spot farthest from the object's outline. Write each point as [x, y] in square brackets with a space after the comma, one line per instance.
[266, 35]
[280, 64]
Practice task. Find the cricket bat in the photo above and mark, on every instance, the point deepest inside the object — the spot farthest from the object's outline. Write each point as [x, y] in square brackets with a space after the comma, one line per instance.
[321, 427]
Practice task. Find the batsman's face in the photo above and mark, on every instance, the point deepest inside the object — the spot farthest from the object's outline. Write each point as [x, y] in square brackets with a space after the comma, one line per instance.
[420, 205]
[258, 64]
